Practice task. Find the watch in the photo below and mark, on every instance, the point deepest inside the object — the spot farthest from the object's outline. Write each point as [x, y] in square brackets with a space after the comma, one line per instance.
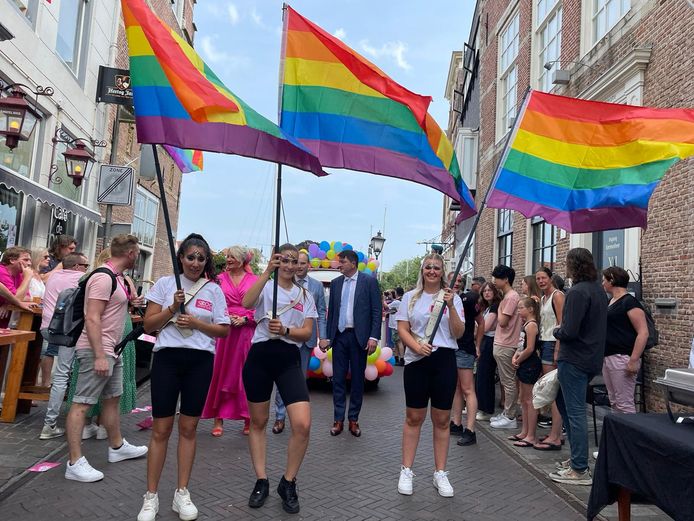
[286, 333]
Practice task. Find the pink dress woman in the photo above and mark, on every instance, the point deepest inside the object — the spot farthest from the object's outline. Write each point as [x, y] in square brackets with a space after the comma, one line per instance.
[226, 398]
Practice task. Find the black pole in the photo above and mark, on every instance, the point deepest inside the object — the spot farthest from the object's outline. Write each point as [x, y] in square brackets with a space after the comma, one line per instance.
[483, 205]
[167, 220]
[278, 207]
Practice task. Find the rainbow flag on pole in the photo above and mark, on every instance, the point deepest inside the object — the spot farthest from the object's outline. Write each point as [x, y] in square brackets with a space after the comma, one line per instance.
[180, 102]
[186, 160]
[587, 166]
[352, 115]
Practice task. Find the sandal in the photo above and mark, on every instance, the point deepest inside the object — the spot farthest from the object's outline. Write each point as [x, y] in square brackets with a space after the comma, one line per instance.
[246, 427]
[278, 426]
[217, 432]
[543, 438]
[547, 446]
[515, 437]
[523, 443]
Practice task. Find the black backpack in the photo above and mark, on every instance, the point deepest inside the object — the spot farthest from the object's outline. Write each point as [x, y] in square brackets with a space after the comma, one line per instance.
[653, 335]
[67, 321]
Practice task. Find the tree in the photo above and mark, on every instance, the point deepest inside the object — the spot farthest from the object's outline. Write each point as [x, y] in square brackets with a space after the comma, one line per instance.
[403, 274]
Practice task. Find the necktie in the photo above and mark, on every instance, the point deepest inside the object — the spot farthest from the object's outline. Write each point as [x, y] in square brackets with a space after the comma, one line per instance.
[344, 303]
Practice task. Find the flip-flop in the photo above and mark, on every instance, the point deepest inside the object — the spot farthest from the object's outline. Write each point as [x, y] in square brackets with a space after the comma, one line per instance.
[217, 432]
[547, 446]
[514, 437]
[523, 443]
[543, 438]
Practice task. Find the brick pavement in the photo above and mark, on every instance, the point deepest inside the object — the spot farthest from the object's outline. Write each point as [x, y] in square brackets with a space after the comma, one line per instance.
[342, 478]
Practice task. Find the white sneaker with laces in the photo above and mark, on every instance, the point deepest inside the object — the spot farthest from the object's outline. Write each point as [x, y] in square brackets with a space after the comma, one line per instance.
[82, 471]
[483, 416]
[101, 433]
[405, 481]
[496, 417]
[150, 507]
[561, 465]
[504, 423]
[442, 484]
[183, 506]
[51, 431]
[89, 431]
[125, 451]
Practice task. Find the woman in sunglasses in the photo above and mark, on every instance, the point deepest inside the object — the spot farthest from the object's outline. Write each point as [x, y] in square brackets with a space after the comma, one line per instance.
[182, 365]
[430, 369]
[274, 358]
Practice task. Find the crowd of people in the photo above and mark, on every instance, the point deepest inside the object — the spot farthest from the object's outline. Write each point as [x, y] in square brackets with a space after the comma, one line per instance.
[226, 340]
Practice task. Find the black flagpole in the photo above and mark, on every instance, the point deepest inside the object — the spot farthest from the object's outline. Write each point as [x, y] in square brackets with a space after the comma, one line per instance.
[483, 205]
[278, 204]
[167, 220]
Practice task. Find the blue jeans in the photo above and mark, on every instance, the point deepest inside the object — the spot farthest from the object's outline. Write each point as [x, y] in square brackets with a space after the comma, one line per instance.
[280, 409]
[571, 402]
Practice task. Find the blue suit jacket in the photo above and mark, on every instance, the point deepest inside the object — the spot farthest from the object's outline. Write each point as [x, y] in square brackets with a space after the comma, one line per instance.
[367, 308]
[318, 293]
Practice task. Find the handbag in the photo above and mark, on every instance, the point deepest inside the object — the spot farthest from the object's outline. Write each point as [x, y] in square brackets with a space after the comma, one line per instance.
[545, 390]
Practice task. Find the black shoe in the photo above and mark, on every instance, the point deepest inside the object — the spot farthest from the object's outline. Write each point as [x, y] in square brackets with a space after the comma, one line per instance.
[456, 429]
[468, 437]
[259, 494]
[287, 491]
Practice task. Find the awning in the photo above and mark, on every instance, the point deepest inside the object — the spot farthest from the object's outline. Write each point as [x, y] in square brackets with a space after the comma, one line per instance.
[46, 196]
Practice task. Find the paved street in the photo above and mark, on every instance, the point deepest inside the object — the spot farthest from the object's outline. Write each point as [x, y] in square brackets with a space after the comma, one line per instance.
[342, 478]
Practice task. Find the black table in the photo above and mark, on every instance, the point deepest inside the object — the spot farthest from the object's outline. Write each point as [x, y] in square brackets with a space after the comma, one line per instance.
[648, 455]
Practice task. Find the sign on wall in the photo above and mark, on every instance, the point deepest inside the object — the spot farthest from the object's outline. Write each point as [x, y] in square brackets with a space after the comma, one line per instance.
[116, 185]
[114, 86]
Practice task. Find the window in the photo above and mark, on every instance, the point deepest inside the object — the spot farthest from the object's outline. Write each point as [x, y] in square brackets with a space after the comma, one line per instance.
[606, 13]
[508, 74]
[145, 217]
[549, 40]
[10, 215]
[466, 150]
[70, 27]
[544, 244]
[504, 234]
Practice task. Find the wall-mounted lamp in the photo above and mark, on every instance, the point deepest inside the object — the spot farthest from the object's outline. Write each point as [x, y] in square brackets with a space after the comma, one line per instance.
[17, 122]
[563, 76]
[78, 160]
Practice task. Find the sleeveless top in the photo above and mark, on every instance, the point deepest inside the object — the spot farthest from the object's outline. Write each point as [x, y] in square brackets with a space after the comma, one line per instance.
[548, 320]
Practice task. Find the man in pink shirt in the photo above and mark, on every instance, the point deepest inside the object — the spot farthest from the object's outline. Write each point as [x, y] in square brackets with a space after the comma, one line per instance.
[101, 372]
[74, 267]
[15, 275]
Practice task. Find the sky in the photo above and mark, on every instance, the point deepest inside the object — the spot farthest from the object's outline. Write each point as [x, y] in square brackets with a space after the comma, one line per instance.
[232, 201]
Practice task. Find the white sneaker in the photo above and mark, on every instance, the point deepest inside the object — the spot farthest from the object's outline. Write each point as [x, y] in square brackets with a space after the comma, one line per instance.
[483, 417]
[51, 431]
[595, 455]
[504, 423]
[125, 451]
[497, 417]
[101, 433]
[563, 465]
[89, 431]
[183, 506]
[405, 481]
[150, 507]
[82, 471]
[442, 484]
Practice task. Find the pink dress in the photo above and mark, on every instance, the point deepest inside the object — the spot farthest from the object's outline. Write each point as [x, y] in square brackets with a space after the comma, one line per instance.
[227, 398]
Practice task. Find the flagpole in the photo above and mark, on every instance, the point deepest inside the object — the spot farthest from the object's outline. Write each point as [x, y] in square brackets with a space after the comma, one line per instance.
[167, 220]
[509, 138]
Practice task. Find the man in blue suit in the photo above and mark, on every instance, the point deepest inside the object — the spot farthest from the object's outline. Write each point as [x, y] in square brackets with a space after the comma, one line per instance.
[318, 293]
[354, 328]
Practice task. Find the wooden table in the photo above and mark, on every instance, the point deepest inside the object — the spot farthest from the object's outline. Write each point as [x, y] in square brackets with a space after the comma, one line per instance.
[14, 391]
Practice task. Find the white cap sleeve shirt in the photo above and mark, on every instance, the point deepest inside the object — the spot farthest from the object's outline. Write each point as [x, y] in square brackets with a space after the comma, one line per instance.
[292, 318]
[208, 305]
[418, 318]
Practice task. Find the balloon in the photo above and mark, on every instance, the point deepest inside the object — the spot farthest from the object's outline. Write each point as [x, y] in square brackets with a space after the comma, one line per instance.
[388, 370]
[361, 266]
[324, 245]
[313, 249]
[320, 355]
[367, 271]
[392, 360]
[332, 243]
[371, 359]
[330, 254]
[371, 265]
[380, 365]
[376, 264]
[371, 373]
[338, 247]
[313, 363]
[347, 247]
[330, 355]
[315, 262]
[319, 371]
[327, 368]
[321, 254]
[325, 263]
[335, 263]
[386, 353]
[360, 256]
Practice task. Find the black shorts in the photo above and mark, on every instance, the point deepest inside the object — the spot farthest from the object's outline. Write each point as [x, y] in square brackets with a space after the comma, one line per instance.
[274, 362]
[432, 378]
[529, 370]
[180, 371]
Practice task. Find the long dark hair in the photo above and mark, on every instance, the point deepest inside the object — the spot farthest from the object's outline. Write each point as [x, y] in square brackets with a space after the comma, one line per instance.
[195, 239]
[580, 266]
[497, 296]
[60, 242]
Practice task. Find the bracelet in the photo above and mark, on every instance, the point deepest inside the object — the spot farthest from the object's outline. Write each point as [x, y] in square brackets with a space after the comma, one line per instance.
[172, 312]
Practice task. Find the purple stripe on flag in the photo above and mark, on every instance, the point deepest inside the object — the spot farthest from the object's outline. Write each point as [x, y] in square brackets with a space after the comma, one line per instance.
[578, 221]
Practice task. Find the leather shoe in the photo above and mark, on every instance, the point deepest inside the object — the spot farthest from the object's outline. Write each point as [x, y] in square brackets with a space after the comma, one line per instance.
[337, 429]
[354, 428]
[278, 426]
[259, 494]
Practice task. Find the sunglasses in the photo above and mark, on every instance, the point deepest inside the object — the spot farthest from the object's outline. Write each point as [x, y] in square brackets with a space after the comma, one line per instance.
[85, 266]
[289, 260]
[432, 267]
[191, 258]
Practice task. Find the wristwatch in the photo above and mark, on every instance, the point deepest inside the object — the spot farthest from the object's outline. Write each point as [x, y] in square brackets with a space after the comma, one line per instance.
[286, 332]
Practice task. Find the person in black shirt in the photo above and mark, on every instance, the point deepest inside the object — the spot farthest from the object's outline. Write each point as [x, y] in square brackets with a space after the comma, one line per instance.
[627, 333]
[490, 297]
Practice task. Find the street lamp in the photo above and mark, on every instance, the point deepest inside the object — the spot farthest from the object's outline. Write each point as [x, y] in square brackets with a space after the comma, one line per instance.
[376, 244]
[17, 122]
[78, 160]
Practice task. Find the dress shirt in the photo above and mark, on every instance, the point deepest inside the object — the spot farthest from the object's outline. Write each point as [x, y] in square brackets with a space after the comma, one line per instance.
[350, 304]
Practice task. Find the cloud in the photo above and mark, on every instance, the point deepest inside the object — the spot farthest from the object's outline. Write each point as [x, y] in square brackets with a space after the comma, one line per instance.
[233, 13]
[257, 19]
[213, 54]
[395, 50]
[340, 33]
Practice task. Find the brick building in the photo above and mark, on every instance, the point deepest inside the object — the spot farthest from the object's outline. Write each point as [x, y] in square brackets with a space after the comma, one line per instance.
[622, 51]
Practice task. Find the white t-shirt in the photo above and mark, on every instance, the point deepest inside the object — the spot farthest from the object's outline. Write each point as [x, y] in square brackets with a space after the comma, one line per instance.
[419, 317]
[294, 317]
[208, 305]
[393, 307]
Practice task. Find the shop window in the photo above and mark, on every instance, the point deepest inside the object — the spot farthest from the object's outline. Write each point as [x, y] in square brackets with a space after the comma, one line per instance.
[145, 217]
[10, 215]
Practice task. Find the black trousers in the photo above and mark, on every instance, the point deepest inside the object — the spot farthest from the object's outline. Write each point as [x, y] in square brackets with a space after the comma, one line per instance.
[348, 355]
[486, 371]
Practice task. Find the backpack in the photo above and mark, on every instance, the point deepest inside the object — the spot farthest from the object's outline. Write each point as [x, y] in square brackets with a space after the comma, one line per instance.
[67, 322]
[653, 334]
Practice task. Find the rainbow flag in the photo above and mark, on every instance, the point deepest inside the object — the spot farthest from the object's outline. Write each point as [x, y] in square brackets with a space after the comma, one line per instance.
[180, 102]
[352, 115]
[186, 160]
[586, 166]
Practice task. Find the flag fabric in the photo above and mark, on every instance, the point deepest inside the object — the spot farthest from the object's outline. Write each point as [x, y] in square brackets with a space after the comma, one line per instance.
[180, 102]
[587, 166]
[186, 160]
[352, 115]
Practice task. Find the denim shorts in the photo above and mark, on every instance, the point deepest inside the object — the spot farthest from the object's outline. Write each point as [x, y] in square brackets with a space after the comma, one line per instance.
[46, 348]
[547, 351]
[464, 360]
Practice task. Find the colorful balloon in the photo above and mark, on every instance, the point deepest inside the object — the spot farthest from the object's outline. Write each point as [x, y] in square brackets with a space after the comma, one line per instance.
[324, 245]
[315, 262]
[386, 353]
[325, 263]
[376, 264]
[367, 271]
[335, 263]
[392, 360]
[380, 365]
[388, 370]
[313, 364]
[321, 254]
[371, 265]
[327, 368]
[320, 355]
[360, 256]
[371, 373]
[371, 359]
[338, 247]
[361, 266]
[347, 247]
[330, 355]
[330, 254]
